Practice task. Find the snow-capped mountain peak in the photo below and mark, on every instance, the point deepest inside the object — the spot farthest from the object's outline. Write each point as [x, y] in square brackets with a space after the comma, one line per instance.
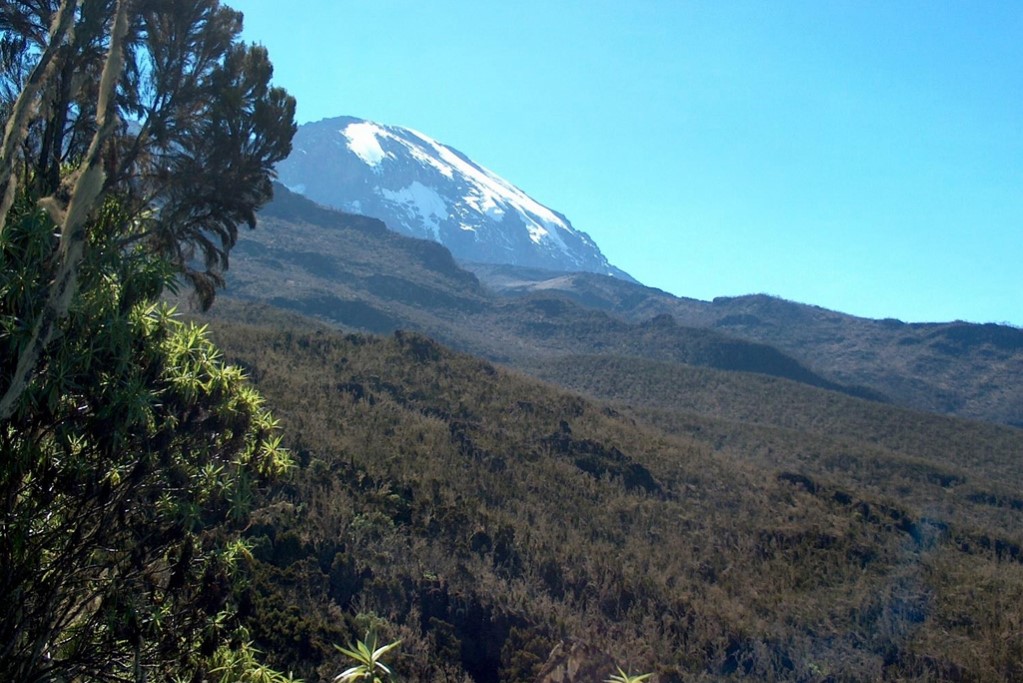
[424, 188]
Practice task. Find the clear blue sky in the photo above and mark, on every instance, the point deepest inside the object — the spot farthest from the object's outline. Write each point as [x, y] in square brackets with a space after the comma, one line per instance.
[862, 156]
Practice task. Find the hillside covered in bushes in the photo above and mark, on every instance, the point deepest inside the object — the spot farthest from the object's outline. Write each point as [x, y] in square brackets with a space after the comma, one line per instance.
[484, 517]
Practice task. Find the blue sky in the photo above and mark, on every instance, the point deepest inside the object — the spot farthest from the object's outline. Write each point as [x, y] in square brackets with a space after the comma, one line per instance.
[862, 156]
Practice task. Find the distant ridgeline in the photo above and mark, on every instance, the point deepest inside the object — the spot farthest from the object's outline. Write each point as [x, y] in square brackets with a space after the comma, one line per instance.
[351, 271]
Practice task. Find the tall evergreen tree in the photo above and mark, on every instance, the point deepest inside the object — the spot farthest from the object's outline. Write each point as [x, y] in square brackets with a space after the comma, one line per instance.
[156, 100]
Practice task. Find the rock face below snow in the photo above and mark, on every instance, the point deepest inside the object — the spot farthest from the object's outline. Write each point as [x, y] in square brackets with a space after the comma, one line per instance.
[425, 189]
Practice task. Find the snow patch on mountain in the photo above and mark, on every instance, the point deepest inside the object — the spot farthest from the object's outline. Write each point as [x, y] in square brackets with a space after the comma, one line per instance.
[492, 194]
[362, 139]
[424, 202]
[488, 193]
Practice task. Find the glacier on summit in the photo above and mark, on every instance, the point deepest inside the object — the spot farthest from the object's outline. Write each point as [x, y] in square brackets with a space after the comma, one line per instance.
[423, 188]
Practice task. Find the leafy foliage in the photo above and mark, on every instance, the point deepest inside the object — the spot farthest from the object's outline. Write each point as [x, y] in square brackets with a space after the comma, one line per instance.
[199, 160]
[198, 127]
[241, 665]
[132, 454]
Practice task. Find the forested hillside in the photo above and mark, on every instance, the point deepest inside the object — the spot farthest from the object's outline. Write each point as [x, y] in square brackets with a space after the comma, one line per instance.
[483, 517]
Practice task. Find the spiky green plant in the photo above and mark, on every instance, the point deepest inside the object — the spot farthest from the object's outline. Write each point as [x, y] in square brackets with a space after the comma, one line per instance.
[241, 665]
[622, 677]
[367, 656]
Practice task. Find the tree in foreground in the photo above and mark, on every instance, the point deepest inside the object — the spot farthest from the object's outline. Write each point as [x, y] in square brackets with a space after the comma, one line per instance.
[155, 101]
[138, 134]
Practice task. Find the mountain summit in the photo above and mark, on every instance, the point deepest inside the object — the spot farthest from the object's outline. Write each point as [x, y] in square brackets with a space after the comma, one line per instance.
[425, 189]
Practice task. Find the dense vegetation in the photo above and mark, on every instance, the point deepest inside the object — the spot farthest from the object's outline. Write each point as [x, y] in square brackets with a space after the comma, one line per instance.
[138, 135]
[483, 517]
[128, 467]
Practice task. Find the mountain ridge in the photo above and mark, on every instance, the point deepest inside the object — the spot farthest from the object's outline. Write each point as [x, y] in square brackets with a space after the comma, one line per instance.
[968, 369]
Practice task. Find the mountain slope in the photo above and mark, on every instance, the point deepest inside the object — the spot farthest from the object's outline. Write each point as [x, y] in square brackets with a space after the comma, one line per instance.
[425, 189]
[483, 517]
